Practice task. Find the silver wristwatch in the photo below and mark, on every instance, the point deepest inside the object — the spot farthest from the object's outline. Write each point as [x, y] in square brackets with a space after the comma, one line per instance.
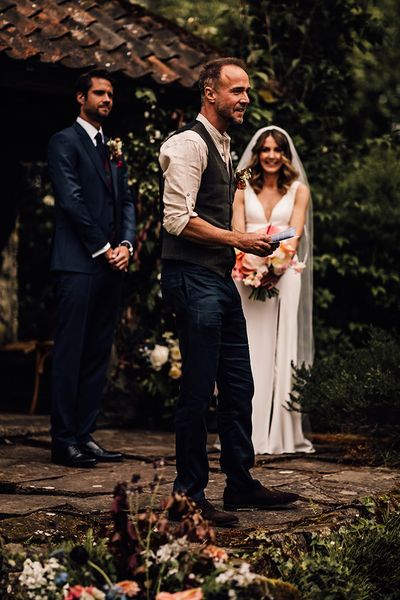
[128, 245]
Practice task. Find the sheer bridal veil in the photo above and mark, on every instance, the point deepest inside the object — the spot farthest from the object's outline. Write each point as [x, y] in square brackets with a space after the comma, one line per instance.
[305, 343]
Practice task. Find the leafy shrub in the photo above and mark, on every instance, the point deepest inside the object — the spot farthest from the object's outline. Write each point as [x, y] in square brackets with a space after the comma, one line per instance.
[357, 252]
[357, 562]
[357, 391]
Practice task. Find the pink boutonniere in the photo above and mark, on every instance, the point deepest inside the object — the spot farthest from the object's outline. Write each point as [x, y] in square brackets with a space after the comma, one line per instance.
[115, 150]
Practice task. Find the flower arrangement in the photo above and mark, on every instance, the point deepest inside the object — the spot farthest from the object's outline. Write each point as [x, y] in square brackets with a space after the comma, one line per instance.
[144, 557]
[114, 146]
[162, 354]
[261, 273]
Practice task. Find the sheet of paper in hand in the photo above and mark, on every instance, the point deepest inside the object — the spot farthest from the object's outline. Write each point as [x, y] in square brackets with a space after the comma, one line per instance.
[287, 234]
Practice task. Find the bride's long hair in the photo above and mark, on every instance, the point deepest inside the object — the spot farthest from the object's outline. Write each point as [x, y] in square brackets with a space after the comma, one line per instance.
[287, 173]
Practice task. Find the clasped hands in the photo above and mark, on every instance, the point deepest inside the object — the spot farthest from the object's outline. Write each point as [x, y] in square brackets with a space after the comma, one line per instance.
[117, 258]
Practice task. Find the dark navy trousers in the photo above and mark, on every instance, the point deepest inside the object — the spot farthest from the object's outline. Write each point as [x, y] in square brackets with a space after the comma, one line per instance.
[214, 347]
[87, 315]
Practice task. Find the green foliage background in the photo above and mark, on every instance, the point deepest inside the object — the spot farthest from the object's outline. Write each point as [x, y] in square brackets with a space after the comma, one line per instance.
[327, 71]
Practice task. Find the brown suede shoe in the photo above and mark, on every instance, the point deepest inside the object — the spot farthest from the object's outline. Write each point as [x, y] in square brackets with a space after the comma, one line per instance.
[260, 498]
[217, 518]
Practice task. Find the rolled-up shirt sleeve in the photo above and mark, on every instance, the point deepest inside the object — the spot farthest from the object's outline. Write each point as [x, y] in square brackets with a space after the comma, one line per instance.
[183, 159]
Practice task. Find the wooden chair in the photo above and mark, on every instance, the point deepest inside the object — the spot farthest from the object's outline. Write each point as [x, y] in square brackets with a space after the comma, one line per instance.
[42, 350]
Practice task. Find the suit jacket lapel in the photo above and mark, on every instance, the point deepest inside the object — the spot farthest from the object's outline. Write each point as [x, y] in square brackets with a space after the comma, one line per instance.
[91, 150]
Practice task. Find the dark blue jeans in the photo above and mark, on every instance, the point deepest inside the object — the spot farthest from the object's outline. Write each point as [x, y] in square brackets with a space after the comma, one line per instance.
[213, 342]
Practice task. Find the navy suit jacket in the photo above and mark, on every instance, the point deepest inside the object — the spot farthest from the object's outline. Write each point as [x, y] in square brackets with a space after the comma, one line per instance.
[86, 211]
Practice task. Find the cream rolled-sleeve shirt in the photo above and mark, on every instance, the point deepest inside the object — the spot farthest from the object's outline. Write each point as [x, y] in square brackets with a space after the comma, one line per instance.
[183, 159]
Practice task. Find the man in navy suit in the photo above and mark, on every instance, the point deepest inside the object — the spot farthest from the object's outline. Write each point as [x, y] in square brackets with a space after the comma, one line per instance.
[93, 241]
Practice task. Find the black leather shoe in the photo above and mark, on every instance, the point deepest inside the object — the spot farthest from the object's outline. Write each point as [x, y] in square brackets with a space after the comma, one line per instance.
[92, 449]
[260, 498]
[71, 456]
[215, 517]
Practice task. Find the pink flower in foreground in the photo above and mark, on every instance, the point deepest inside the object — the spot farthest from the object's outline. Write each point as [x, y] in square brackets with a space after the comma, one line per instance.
[79, 592]
[193, 594]
[251, 263]
[237, 269]
[298, 266]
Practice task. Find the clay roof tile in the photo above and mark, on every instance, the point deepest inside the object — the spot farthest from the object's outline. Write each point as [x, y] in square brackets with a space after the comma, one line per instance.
[109, 33]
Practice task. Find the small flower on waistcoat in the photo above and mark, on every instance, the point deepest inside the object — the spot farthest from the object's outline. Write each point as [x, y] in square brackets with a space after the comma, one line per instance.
[115, 150]
[241, 177]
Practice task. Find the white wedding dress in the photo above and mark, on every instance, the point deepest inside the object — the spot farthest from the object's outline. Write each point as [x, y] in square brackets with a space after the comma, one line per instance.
[272, 333]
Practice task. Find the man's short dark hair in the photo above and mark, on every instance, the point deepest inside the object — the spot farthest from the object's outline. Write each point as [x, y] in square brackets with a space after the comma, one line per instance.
[84, 81]
[211, 71]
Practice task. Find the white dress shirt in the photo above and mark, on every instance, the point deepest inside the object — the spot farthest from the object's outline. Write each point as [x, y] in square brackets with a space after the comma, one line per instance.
[90, 129]
[183, 159]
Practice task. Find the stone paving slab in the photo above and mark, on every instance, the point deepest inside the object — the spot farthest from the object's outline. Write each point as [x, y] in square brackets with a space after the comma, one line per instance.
[307, 464]
[41, 476]
[19, 425]
[36, 495]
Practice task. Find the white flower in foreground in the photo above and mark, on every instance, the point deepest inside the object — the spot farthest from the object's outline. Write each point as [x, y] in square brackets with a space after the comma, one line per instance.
[245, 576]
[38, 578]
[225, 576]
[159, 356]
[241, 577]
[168, 552]
[299, 266]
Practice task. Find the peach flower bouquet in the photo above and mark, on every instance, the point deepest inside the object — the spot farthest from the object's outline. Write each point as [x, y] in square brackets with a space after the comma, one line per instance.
[262, 273]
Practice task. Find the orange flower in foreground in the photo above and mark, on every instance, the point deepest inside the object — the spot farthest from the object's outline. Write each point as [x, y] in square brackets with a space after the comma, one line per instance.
[237, 269]
[193, 594]
[130, 588]
[215, 553]
[281, 258]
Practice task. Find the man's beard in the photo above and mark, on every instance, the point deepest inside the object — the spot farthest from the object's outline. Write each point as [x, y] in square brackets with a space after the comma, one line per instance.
[97, 116]
[229, 116]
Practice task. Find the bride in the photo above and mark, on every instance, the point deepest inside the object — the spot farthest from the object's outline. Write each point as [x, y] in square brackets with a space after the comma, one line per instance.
[279, 329]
